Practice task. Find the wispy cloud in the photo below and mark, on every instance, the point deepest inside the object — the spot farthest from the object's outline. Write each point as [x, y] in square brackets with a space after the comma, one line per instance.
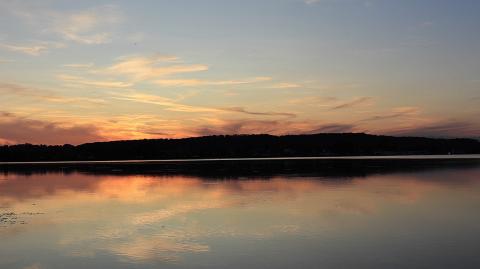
[34, 47]
[94, 83]
[243, 110]
[325, 101]
[199, 82]
[278, 127]
[332, 103]
[352, 103]
[33, 50]
[450, 128]
[397, 112]
[173, 105]
[161, 70]
[143, 68]
[11, 88]
[168, 103]
[333, 128]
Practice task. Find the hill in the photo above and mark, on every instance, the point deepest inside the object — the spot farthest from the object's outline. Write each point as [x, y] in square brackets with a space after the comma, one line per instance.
[242, 146]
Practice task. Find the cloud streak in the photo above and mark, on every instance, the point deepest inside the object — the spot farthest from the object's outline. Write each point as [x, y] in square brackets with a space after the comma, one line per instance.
[451, 128]
[277, 127]
[94, 83]
[398, 112]
[173, 105]
[143, 68]
[162, 71]
[199, 82]
[352, 103]
[33, 50]
[243, 110]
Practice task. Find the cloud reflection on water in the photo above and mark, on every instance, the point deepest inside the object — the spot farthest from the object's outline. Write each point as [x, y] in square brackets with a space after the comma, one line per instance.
[158, 219]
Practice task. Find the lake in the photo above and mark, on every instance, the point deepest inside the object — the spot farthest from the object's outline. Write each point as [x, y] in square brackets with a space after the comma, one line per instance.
[287, 213]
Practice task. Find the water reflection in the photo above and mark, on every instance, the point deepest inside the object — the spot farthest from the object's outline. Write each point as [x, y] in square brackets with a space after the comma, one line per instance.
[150, 220]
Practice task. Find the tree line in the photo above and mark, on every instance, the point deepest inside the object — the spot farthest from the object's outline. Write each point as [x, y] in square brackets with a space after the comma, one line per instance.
[241, 146]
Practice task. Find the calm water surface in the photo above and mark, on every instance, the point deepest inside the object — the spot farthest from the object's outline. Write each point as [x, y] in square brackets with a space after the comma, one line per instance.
[406, 218]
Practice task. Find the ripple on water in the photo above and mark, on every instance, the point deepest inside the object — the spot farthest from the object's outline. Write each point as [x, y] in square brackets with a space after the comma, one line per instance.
[12, 218]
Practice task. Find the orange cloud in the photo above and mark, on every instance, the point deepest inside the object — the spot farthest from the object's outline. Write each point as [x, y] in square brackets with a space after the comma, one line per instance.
[199, 82]
[22, 130]
[143, 68]
[94, 83]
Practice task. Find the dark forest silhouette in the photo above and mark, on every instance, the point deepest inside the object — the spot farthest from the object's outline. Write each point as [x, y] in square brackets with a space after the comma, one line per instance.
[242, 146]
[247, 169]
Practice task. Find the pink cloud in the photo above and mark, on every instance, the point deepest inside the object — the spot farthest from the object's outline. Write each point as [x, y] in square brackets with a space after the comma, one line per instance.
[16, 129]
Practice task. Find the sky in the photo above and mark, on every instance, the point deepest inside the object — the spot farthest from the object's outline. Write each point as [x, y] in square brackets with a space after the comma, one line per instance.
[83, 71]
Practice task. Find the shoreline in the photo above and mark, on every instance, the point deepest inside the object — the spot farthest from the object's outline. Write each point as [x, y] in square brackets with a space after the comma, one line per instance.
[374, 157]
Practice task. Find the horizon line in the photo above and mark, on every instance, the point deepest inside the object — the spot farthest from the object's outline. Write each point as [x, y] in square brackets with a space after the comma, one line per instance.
[246, 134]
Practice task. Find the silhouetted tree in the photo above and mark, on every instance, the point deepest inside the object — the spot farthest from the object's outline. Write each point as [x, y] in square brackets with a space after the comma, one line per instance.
[240, 146]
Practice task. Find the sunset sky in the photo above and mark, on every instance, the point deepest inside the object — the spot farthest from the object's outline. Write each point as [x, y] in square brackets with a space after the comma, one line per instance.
[82, 71]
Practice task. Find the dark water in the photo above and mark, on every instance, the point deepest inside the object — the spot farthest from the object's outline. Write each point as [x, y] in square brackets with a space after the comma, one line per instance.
[255, 214]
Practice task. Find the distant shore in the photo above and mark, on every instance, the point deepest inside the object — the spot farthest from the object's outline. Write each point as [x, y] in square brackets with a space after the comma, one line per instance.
[240, 168]
[244, 147]
[386, 157]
